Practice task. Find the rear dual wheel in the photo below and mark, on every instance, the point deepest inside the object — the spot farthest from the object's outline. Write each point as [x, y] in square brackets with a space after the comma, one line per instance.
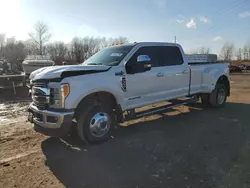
[217, 98]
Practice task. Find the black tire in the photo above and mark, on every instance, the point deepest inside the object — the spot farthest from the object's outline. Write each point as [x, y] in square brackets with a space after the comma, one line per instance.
[84, 119]
[72, 136]
[214, 97]
[205, 100]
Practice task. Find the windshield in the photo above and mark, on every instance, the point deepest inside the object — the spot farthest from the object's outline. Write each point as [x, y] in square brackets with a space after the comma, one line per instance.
[109, 56]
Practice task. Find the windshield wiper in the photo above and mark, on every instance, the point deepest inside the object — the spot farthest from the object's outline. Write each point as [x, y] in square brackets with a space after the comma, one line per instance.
[94, 64]
[114, 63]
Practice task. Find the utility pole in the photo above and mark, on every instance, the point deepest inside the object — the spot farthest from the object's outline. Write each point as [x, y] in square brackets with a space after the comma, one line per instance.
[174, 39]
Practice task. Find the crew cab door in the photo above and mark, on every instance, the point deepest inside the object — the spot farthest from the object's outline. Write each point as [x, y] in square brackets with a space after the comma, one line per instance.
[175, 71]
[143, 86]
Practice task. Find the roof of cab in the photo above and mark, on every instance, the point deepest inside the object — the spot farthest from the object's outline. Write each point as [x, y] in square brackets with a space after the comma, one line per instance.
[146, 43]
[158, 43]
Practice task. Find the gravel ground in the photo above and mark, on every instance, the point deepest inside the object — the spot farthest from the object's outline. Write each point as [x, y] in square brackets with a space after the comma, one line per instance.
[185, 147]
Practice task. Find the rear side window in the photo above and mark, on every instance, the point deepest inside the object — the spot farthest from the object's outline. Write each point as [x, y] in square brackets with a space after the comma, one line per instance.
[169, 55]
[151, 51]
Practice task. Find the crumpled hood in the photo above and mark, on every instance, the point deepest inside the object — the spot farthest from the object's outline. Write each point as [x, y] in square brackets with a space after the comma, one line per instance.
[56, 71]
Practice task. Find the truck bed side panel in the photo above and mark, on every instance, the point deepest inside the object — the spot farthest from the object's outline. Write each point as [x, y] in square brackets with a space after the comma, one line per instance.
[205, 76]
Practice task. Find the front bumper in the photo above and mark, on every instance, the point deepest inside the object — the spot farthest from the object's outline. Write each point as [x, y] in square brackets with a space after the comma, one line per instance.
[50, 123]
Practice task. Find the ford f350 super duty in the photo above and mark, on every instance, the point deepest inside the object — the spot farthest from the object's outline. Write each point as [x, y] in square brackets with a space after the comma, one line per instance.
[110, 85]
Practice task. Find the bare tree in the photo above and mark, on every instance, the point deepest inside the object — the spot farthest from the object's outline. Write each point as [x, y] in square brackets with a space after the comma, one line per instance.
[245, 52]
[31, 47]
[13, 50]
[51, 50]
[82, 48]
[57, 50]
[201, 50]
[204, 50]
[239, 54]
[103, 43]
[11, 40]
[61, 49]
[77, 49]
[91, 46]
[227, 51]
[2, 41]
[40, 36]
[70, 55]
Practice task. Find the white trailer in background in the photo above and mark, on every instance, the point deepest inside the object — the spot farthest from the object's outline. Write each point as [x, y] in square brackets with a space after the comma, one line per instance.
[34, 62]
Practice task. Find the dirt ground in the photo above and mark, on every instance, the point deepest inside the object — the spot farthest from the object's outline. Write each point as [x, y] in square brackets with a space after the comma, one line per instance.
[183, 148]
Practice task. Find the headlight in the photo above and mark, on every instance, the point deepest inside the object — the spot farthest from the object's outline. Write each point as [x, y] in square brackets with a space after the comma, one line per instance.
[58, 95]
[64, 92]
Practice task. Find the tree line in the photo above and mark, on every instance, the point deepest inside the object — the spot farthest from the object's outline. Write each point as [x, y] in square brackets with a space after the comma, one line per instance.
[78, 50]
[228, 52]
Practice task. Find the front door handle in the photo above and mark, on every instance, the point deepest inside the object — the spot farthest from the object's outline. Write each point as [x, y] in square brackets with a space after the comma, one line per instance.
[160, 74]
[184, 71]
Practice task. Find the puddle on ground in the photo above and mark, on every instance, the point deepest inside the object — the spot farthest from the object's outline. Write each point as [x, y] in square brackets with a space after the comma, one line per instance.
[11, 112]
[2, 120]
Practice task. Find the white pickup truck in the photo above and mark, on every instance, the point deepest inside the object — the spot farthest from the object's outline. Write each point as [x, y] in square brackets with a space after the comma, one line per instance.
[110, 85]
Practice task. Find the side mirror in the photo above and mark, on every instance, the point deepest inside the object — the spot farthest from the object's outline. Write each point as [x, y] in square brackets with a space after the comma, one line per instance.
[142, 64]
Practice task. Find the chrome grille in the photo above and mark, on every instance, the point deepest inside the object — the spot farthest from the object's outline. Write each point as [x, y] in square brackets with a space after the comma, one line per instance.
[43, 84]
[40, 94]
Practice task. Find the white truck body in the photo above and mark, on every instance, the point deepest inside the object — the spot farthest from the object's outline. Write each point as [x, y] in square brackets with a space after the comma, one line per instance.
[129, 90]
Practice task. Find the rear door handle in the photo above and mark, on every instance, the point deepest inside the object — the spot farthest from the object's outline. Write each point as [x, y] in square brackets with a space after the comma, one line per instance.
[160, 74]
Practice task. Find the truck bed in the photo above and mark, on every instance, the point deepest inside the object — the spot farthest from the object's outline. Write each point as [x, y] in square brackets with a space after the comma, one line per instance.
[201, 78]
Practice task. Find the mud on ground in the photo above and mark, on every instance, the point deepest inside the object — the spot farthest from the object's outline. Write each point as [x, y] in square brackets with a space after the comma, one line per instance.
[186, 147]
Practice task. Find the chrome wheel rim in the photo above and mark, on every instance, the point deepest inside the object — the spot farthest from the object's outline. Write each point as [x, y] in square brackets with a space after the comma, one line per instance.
[221, 96]
[100, 124]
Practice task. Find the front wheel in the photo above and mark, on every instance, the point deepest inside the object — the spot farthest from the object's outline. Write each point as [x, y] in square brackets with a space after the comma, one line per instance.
[95, 122]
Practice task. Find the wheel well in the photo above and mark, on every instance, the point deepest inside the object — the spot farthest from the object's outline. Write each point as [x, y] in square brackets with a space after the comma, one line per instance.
[105, 97]
[224, 80]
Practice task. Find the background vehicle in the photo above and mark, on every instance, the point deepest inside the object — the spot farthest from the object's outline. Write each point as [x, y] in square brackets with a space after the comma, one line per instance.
[4, 67]
[247, 68]
[235, 68]
[34, 62]
[120, 79]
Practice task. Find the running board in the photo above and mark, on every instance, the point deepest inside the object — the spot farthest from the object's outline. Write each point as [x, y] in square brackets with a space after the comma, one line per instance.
[174, 103]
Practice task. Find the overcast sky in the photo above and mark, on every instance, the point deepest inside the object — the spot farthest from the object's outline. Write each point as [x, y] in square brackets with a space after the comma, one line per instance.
[196, 23]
